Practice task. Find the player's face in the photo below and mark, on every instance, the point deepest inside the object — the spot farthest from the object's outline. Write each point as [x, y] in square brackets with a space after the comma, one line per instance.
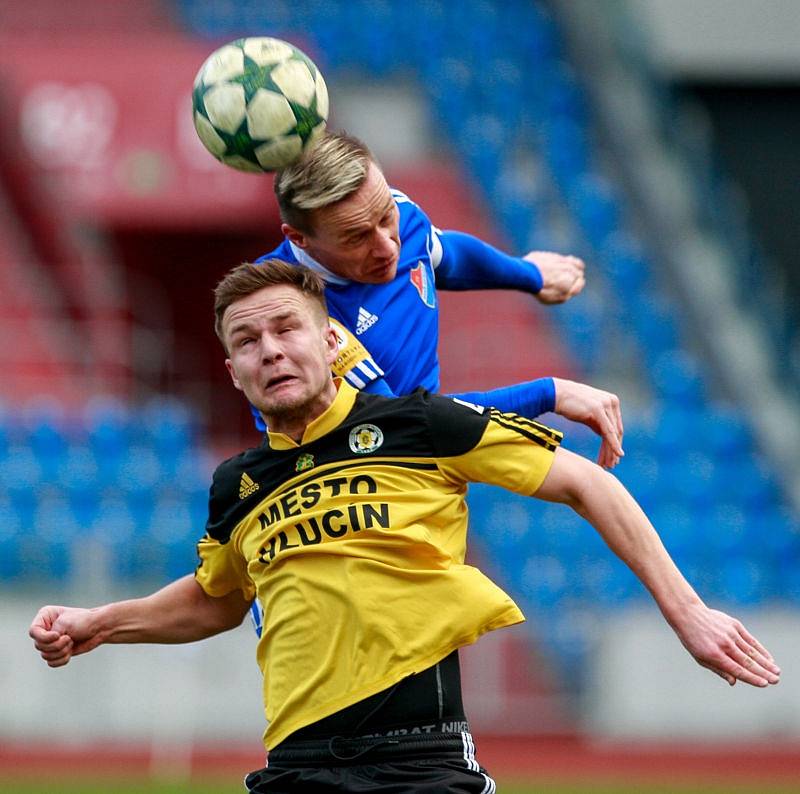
[280, 350]
[357, 238]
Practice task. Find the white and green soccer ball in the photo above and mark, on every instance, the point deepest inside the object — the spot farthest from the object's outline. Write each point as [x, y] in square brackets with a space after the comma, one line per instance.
[258, 103]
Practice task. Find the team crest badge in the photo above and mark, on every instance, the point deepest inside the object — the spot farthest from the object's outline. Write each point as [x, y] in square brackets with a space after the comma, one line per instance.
[304, 462]
[422, 282]
[365, 438]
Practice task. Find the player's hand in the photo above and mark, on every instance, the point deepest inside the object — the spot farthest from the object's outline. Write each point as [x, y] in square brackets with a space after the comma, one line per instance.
[562, 276]
[723, 645]
[596, 409]
[59, 633]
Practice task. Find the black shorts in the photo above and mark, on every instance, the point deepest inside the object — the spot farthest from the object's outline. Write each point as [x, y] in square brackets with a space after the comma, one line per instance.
[436, 763]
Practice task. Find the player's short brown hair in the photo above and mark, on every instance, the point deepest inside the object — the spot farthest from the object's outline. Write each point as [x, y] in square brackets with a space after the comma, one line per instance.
[247, 278]
[331, 170]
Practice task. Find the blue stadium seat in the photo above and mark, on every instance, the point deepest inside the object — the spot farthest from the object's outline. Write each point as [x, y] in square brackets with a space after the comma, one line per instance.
[482, 142]
[642, 474]
[652, 319]
[743, 582]
[677, 377]
[46, 436]
[109, 432]
[46, 548]
[173, 536]
[596, 206]
[11, 531]
[566, 149]
[169, 425]
[7, 422]
[673, 431]
[786, 588]
[775, 533]
[728, 531]
[78, 476]
[625, 263]
[21, 477]
[747, 481]
[583, 326]
[680, 529]
[724, 431]
[543, 581]
[691, 477]
[140, 470]
[563, 95]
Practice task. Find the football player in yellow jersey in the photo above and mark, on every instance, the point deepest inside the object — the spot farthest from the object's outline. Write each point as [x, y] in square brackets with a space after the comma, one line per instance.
[349, 525]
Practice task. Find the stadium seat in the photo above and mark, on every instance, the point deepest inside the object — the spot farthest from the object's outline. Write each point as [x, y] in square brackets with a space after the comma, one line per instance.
[596, 206]
[743, 582]
[543, 581]
[676, 376]
[11, 530]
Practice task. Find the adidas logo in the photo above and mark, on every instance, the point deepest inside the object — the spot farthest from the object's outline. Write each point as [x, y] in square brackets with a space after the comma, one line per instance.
[246, 486]
[365, 320]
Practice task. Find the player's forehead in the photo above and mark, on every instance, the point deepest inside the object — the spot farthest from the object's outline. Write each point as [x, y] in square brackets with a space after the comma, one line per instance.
[365, 207]
[267, 305]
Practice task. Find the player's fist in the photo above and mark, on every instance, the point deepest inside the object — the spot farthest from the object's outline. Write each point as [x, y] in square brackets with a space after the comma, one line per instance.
[562, 276]
[59, 633]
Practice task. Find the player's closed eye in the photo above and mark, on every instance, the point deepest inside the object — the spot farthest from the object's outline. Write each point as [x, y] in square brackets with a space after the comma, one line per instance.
[355, 239]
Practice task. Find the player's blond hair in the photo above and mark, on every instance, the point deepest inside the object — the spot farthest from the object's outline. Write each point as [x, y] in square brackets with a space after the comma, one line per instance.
[247, 278]
[331, 170]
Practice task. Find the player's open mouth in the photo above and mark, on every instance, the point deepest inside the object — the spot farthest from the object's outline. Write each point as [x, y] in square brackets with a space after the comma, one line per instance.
[279, 380]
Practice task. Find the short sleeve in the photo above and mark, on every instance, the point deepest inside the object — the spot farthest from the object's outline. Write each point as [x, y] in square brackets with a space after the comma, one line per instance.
[511, 451]
[222, 569]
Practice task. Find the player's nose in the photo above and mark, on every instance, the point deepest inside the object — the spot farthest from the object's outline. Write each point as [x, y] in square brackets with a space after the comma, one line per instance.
[271, 349]
[383, 246]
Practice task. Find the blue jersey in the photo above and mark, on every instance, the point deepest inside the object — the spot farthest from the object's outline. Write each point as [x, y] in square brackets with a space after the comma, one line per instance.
[395, 325]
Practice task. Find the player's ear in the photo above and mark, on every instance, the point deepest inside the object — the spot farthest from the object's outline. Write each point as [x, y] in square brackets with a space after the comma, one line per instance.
[232, 373]
[300, 239]
[331, 344]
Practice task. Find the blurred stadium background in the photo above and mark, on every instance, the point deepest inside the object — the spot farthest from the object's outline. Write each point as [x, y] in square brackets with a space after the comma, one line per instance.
[658, 140]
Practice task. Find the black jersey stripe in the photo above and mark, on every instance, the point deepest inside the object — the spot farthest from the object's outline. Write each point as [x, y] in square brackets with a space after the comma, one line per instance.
[362, 463]
[531, 424]
[531, 435]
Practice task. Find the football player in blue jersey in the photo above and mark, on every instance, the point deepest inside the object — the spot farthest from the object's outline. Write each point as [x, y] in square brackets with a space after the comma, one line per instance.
[382, 260]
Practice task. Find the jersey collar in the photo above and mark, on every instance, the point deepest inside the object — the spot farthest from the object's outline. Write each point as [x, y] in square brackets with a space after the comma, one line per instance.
[308, 261]
[330, 419]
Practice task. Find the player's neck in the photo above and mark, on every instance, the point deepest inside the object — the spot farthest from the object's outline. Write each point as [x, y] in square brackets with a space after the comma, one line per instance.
[293, 423]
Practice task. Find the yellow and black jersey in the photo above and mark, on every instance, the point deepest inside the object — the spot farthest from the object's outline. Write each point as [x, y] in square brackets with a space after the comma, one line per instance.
[354, 541]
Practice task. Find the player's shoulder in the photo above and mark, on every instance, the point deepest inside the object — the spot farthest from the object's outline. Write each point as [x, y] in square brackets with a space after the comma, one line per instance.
[283, 251]
[235, 480]
[424, 422]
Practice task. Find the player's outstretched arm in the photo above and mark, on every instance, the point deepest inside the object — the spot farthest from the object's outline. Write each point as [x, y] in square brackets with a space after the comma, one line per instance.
[469, 263]
[715, 640]
[563, 276]
[180, 612]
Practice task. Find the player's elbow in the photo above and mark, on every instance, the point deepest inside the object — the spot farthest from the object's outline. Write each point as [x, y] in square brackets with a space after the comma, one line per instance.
[577, 482]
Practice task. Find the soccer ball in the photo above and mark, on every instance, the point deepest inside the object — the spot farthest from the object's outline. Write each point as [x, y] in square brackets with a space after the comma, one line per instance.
[257, 103]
